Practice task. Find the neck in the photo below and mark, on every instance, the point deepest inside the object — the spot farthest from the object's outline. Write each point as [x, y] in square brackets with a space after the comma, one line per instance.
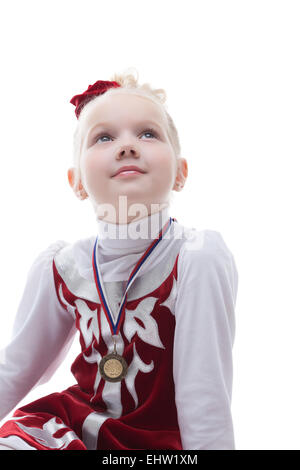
[139, 233]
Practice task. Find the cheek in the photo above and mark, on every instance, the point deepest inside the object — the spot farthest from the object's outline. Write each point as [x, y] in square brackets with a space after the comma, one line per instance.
[165, 165]
[94, 166]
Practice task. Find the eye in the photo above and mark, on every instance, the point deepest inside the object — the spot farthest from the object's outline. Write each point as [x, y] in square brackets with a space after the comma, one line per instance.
[101, 136]
[150, 131]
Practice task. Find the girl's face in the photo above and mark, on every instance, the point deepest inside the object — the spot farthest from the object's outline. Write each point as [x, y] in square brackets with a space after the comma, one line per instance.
[123, 130]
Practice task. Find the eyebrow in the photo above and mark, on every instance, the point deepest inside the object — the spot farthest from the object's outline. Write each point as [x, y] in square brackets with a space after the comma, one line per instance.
[108, 124]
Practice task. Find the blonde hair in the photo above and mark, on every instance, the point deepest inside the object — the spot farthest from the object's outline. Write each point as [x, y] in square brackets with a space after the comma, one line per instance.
[129, 84]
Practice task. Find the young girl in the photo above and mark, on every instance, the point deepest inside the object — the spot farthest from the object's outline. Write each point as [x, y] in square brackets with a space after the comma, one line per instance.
[153, 301]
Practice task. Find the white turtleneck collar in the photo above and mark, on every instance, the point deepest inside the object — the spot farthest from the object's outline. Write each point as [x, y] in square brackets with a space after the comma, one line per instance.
[120, 246]
[133, 237]
[118, 256]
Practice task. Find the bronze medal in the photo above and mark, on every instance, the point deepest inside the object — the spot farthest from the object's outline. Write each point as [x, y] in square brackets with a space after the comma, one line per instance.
[113, 367]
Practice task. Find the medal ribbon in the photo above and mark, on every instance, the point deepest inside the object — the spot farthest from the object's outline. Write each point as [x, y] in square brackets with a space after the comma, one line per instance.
[115, 328]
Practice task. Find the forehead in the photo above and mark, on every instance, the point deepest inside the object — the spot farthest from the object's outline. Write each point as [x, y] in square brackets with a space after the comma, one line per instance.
[122, 109]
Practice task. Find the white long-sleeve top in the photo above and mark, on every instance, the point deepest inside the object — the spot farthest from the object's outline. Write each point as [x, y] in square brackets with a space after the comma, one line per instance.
[207, 285]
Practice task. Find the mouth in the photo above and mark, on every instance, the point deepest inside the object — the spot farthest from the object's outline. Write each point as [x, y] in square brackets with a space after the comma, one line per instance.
[128, 171]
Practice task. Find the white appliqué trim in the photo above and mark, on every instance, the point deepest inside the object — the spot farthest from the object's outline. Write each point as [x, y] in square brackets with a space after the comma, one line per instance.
[45, 437]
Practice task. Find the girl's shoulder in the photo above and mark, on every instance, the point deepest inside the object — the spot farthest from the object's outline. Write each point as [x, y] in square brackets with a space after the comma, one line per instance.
[45, 256]
[64, 253]
[204, 243]
[204, 249]
[77, 253]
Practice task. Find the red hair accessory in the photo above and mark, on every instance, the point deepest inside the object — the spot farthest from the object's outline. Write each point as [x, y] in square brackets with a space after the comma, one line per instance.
[98, 88]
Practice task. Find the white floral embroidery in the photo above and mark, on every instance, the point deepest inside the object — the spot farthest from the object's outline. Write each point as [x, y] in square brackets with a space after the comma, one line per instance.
[45, 436]
[136, 365]
[149, 334]
[170, 301]
[94, 358]
[69, 307]
[89, 326]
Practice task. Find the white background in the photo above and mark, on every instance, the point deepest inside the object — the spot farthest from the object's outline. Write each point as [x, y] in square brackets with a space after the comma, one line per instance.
[231, 72]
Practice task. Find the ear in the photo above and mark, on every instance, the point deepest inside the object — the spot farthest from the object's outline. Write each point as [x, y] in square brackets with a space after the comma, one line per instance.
[79, 189]
[181, 175]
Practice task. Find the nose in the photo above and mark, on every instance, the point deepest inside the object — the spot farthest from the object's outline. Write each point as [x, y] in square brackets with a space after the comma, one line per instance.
[128, 151]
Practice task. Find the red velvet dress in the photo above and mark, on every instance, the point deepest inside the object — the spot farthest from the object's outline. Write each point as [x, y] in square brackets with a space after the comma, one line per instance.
[176, 336]
[140, 411]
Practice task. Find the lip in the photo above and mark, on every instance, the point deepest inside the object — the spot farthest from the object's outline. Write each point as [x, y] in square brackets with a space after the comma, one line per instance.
[128, 174]
[134, 168]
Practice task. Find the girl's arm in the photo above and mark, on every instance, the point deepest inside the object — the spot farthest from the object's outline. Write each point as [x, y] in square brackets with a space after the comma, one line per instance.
[204, 337]
[43, 332]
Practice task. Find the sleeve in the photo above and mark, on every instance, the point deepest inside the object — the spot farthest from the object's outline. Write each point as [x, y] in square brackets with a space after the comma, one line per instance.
[207, 286]
[42, 334]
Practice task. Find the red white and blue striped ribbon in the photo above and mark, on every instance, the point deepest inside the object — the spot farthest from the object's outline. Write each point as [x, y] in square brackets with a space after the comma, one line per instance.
[115, 328]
